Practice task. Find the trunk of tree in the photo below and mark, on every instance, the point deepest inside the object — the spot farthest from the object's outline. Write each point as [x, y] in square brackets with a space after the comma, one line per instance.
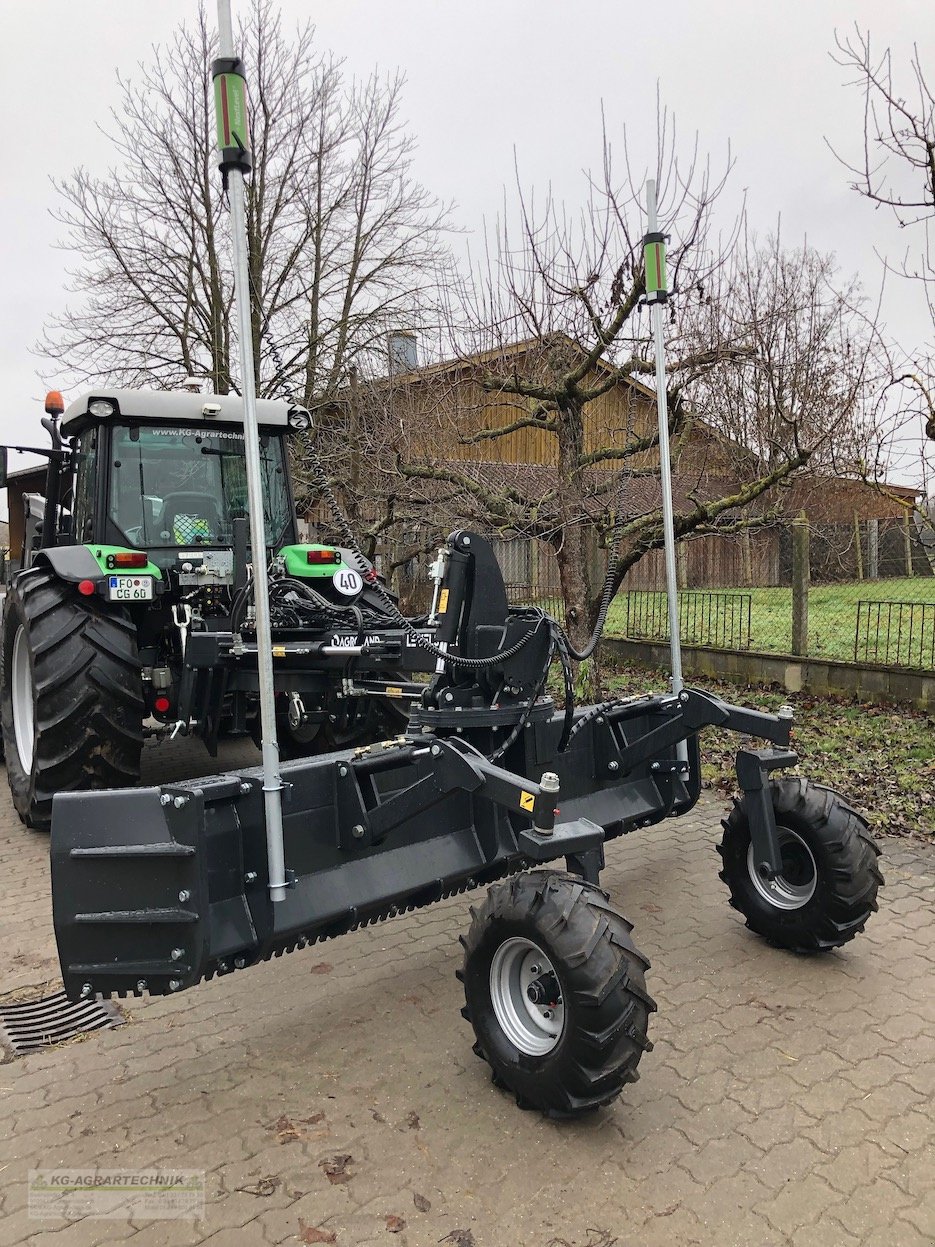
[573, 548]
[581, 606]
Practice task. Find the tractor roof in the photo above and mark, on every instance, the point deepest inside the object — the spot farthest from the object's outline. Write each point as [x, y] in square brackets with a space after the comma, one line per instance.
[178, 406]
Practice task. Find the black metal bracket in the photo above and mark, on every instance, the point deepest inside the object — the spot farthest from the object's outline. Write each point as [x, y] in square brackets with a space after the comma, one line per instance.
[691, 711]
[753, 768]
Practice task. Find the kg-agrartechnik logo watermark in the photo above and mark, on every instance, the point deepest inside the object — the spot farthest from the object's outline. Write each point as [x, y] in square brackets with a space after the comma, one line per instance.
[144, 1194]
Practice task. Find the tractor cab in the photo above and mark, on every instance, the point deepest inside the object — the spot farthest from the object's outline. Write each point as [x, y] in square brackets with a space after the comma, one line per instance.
[165, 473]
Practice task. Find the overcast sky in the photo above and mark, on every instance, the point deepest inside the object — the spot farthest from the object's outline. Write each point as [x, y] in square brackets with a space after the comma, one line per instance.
[484, 78]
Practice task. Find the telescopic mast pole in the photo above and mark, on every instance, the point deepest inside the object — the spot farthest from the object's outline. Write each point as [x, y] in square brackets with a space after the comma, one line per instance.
[233, 141]
[654, 245]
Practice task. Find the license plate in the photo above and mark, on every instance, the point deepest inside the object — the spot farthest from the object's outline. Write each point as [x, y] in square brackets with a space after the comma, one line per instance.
[130, 588]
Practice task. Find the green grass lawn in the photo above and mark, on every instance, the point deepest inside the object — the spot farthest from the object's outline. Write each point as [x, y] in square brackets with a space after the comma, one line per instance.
[881, 758]
[832, 614]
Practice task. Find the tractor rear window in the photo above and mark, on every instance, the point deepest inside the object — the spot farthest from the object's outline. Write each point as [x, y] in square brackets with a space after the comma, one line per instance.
[185, 487]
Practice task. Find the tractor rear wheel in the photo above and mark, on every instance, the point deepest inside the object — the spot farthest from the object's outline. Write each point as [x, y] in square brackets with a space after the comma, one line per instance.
[555, 990]
[827, 888]
[72, 697]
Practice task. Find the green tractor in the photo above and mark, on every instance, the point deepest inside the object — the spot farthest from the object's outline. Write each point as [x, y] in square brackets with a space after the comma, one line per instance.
[138, 549]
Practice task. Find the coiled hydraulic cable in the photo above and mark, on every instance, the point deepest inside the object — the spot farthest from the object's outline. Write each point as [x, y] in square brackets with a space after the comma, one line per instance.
[607, 596]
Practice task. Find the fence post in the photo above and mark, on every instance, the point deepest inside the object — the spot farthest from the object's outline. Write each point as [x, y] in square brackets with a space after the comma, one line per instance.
[907, 539]
[800, 582]
[858, 547]
[681, 555]
[747, 549]
[873, 549]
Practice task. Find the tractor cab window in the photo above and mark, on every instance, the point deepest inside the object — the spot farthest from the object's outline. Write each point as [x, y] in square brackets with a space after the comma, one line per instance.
[185, 487]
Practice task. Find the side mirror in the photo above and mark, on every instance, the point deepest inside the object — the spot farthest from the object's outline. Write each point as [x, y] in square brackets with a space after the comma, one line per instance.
[3, 466]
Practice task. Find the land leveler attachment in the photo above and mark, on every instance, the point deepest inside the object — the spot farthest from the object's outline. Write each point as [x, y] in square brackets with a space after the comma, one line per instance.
[155, 889]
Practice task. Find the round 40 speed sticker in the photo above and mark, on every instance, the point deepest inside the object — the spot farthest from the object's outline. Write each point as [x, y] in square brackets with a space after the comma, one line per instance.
[348, 582]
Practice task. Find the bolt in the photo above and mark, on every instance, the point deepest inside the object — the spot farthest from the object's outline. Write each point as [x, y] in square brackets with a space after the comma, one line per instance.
[535, 970]
[358, 832]
[245, 790]
[180, 802]
[85, 989]
[178, 954]
[613, 766]
[174, 984]
[683, 697]
[185, 895]
[342, 770]
[240, 962]
[547, 1013]
[250, 876]
[435, 750]
[466, 541]
[141, 985]
[165, 799]
[449, 697]
[223, 967]
[654, 766]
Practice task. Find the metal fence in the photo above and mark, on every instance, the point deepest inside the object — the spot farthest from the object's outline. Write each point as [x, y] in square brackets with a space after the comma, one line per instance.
[869, 587]
[721, 620]
[896, 633]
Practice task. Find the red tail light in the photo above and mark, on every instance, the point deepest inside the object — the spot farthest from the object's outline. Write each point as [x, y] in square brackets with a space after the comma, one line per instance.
[129, 558]
[320, 557]
[161, 705]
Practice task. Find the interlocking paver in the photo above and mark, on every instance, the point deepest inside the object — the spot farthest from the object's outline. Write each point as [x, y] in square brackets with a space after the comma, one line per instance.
[786, 1103]
[873, 1206]
[801, 1203]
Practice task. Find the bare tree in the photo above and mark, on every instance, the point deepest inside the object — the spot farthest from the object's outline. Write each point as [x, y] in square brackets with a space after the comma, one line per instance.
[808, 388]
[344, 243]
[896, 170]
[570, 288]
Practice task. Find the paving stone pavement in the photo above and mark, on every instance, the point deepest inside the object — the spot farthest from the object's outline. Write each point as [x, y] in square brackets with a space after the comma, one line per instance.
[787, 1102]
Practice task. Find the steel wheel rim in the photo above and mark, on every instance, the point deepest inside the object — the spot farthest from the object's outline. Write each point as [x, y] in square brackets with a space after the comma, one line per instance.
[21, 700]
[796, 885]
[519, 968]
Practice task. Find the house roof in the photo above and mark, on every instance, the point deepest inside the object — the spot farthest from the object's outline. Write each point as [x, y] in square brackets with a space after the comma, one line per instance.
[508, 351]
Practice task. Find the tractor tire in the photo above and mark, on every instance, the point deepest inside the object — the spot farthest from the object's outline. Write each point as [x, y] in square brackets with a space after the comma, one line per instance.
[828, 886]
[555, 991]
[71, 706]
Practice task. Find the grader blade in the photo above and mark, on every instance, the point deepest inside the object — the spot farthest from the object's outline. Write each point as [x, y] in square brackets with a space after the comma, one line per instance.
[155, 889]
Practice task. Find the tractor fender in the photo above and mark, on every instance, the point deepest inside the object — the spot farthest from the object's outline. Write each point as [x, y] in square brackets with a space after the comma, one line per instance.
[71, 563]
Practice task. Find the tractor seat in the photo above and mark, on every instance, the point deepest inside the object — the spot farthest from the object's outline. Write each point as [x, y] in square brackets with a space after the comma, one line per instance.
[190, 519]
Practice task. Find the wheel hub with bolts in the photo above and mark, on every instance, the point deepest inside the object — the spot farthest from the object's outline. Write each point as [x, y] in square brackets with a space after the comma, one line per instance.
[526, 996]
[795, 884]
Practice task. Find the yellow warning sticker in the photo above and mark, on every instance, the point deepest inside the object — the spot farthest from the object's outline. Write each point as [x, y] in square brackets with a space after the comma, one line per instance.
[393, 692]
[443, 601]
[526, 801]
[279, 651]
